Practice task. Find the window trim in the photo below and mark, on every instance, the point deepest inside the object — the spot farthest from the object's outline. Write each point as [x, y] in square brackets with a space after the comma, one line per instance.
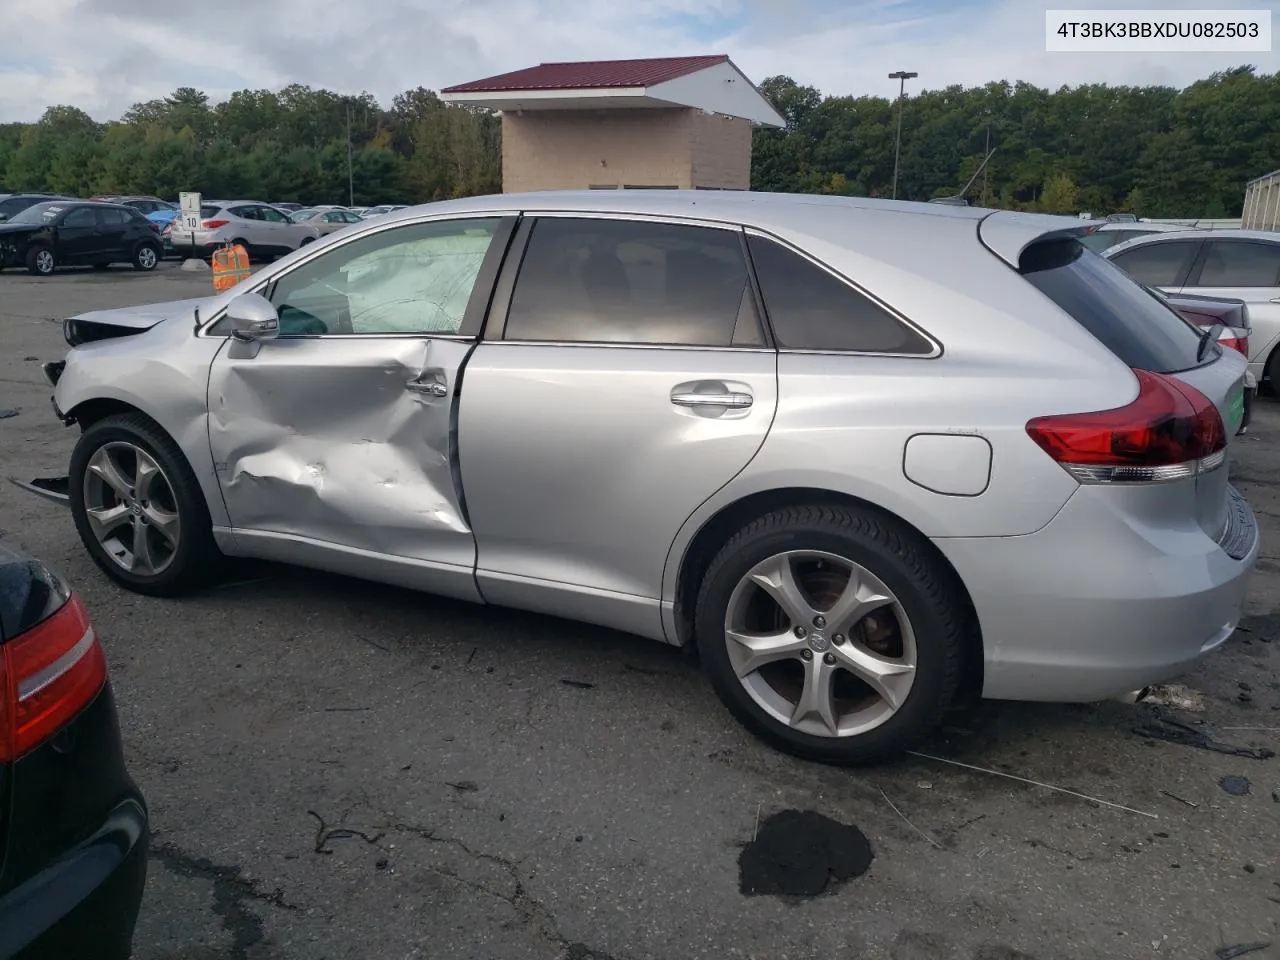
[1197, 268]
[473, 316]
[857, 288]
[495, 327]
[1183, 278]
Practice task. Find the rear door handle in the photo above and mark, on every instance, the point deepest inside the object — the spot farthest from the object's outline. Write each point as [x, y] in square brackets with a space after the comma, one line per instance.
[736, 401]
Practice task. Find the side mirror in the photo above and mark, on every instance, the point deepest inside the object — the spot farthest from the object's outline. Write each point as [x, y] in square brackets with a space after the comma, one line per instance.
[253, 318]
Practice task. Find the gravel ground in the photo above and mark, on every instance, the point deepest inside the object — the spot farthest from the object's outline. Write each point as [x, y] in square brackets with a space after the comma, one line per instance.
[342, 770]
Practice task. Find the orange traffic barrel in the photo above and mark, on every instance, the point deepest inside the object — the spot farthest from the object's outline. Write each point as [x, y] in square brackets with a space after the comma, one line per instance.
[230, 266]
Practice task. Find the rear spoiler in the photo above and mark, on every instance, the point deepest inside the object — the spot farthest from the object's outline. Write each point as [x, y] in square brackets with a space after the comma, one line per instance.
[1007, 233]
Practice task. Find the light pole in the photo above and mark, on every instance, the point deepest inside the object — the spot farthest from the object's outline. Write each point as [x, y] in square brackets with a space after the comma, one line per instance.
[902, 76]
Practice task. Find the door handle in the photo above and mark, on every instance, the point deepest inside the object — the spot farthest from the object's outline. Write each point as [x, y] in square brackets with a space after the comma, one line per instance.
[432, 388]
[736, 401]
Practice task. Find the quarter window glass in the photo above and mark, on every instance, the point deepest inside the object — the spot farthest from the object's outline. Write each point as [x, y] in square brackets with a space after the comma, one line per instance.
[810, 309]
[245, 213]
[80, 217]
[1240, 264]
[622, 281]
[1158, 264]
[414, 279]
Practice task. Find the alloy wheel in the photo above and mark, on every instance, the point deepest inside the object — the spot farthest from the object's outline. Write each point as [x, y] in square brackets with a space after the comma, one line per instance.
[44, 261]
[147, 258]
[820, 643]
[131, 508]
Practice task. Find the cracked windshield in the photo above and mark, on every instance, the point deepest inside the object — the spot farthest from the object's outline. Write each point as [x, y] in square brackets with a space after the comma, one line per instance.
[706, 480]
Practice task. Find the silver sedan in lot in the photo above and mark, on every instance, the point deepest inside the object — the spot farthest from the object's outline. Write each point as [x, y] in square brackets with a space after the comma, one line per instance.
[855, 476]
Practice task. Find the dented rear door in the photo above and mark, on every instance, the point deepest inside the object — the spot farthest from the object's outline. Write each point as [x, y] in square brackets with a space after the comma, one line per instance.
[340, 433]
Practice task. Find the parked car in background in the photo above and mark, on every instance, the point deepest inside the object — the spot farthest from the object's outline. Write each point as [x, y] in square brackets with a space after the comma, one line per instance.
[1231, 317]
[1234, 264]
[330, 221]
[264, 231]
[289, 207]
[46, 236]
[75, 828]
[147, 205]
[15, 203]
[163, 219]
[1118, 231]
[383, 210]
[868, 465]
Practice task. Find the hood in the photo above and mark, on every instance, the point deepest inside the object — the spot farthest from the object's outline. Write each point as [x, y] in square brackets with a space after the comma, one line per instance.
[123, 321]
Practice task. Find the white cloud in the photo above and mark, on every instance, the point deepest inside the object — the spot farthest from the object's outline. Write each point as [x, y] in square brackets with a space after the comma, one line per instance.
[103, 55]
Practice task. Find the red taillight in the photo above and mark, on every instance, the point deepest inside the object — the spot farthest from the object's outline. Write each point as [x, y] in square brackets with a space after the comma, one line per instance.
[1236, 343]
[214, 224]
[1170, 431]
[47, 676]
[154, 226]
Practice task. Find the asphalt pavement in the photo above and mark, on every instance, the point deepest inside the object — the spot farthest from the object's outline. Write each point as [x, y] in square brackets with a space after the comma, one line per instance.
[337, 769]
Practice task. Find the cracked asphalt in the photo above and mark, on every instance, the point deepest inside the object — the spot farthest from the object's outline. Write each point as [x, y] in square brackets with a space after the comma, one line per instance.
[342, 770]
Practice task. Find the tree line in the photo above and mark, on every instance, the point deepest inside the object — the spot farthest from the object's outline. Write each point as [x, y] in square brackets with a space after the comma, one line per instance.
[1155, 151]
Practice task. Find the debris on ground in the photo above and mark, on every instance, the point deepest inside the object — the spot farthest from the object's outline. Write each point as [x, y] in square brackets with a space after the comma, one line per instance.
[1240, 950]
[325, 833]
[1185, 735]
[464, 786]
[6, 414]
[580, 684]
[1175, 695]
[801, 853]
[1236, 786]
[1034, 783]
[1174, 796]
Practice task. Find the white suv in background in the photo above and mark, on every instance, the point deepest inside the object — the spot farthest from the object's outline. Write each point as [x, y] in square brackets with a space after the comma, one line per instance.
[263, 230]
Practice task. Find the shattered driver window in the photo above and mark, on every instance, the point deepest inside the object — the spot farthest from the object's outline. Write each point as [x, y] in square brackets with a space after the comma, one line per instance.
[413, 279]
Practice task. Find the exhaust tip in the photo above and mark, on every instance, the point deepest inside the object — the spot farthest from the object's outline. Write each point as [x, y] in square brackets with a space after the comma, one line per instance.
[1134, 696]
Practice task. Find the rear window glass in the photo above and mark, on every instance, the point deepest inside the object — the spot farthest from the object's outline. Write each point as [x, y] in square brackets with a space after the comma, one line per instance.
[1134, 324]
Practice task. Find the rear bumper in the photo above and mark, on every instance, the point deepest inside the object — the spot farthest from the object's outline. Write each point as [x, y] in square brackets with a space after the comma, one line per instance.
[86, 903]
[1102, 600]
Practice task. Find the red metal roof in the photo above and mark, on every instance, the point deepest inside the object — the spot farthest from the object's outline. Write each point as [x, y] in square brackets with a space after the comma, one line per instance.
[591, 74]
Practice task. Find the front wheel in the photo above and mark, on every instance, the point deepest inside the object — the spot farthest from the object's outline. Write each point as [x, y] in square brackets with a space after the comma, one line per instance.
[139, 509]
[41, 261]
[832, 633]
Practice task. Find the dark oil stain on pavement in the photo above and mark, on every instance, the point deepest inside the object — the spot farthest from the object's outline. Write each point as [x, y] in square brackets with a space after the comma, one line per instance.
[800, 853]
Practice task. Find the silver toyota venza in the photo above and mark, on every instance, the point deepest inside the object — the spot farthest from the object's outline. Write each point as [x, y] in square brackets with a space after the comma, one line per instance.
[862, 455]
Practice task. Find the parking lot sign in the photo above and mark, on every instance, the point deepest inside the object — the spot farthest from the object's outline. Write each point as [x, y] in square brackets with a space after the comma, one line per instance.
[190, 208]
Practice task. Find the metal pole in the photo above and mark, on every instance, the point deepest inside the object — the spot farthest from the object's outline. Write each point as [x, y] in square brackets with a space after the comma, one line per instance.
[984, 168]
[902, 76]
[351, 183]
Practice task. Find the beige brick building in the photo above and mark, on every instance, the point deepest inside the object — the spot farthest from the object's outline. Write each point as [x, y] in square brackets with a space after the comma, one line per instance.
[675, 123]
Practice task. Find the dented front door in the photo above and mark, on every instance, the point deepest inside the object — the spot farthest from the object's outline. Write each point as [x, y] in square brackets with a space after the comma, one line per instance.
[338, 437]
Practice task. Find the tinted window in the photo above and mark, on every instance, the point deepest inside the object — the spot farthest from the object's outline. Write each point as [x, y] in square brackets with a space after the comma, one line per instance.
[80, 217]
[245, 213]
[620, 281]
[114, 218]
[1240, 263]
[810, 309]
[1160, 263]
[1135, 325]
[415, 279]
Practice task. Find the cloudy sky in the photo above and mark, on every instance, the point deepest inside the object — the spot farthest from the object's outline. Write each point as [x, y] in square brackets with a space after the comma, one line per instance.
[103, 55]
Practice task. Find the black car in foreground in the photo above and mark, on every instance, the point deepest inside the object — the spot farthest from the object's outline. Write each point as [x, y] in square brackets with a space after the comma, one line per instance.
[73, 827]
[67, 232]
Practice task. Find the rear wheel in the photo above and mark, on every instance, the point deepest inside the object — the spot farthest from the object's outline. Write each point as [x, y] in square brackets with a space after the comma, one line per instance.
[139, 509]
[146, 257]
[1270, 385]
[248, 250]
[41, 261]
[832, 633]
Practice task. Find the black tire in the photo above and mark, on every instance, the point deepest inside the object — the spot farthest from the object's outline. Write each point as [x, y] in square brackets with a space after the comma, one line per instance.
[926, 589]
[196, 560]
[1268, 387]
[248, 249]
[305, 241]
[147, 256]
[39, 265]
